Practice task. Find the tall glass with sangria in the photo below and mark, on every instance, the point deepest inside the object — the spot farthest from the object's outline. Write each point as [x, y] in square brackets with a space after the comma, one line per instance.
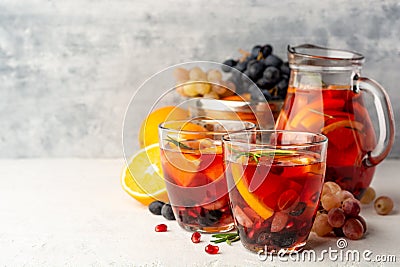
[275, 180]
[192, 163]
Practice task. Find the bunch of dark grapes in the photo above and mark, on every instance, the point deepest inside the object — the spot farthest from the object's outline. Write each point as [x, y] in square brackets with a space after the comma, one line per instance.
[340, 214]
[265, 69]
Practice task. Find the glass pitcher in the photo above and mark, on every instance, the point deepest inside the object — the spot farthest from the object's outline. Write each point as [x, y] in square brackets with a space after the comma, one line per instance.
[328, 95]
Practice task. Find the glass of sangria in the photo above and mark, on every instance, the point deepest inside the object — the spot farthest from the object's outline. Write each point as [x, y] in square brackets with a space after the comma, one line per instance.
[328, 95]
[192, 163]
[275, 179]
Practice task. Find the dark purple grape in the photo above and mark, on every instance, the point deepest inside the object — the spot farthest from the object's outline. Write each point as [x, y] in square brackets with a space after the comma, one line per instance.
[251, 62]
[282, 88]
[266, 94]
[255, 70]
[273, 60]
[230, 63]
[266, 50]
[241, 66]
[271, 74]
[285, 68]
[264, 84]
[276, 97]
[255, 51]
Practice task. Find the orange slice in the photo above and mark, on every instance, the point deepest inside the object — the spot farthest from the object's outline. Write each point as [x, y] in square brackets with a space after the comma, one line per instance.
[344, 123]
[251, 199]
[142, 178]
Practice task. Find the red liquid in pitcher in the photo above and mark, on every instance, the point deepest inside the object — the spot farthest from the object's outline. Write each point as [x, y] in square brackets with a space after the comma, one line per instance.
[279, 212]
[339, 114]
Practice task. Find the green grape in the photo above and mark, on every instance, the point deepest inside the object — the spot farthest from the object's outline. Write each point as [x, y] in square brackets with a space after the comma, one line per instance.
[383, 205]
[181, 75]
[330, 188]
[330, 201]
[321, 225]
[214, 75]
[197, 74]
[368, 196]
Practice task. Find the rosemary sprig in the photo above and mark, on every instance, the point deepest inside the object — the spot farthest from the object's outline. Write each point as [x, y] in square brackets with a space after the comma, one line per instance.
[257, 155]
[320, 113]
[177, 143]
[229, 238]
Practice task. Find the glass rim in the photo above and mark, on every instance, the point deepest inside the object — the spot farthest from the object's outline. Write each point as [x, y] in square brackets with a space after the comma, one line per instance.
[227, 138]
[296, 51]
[248, 126]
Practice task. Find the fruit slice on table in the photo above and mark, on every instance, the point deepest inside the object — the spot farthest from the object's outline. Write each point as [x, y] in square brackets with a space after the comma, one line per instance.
[148, 133]
[251, 199]
[142, 178]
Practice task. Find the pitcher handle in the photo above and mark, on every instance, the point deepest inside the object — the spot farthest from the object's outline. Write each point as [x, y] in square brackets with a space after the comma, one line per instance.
[385, 118]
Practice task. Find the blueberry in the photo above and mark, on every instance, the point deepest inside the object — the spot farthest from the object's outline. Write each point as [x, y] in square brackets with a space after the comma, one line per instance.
[209, 217]
[241, 66]
[256, 70]
[299, 209]
[167, 212]
[255, 51]
[263, 238]
[230, 63]
[285, 68]
[155, 207]
[272, 74]
[273, 60]
[266, 50]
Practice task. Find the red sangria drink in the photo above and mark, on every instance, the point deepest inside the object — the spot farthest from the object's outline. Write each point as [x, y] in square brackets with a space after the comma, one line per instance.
[275, 178]
[192, 163]
[340, 114]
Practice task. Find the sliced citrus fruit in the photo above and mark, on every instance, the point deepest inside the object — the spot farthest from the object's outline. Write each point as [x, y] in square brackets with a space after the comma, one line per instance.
[142, 178]
[149, 127]
[344, 123]
[251, 199]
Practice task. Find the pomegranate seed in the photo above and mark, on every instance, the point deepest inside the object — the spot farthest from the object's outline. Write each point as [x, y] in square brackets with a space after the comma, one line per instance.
[161, 228]
[210, 249]
[196, 237]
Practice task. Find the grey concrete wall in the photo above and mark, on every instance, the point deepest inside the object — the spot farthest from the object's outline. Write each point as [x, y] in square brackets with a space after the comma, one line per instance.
[69, 68]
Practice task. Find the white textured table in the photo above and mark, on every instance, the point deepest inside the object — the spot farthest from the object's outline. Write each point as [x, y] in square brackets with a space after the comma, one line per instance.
[73, 212]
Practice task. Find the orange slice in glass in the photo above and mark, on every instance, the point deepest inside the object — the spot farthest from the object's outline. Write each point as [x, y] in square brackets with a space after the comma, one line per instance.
[251, 199]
